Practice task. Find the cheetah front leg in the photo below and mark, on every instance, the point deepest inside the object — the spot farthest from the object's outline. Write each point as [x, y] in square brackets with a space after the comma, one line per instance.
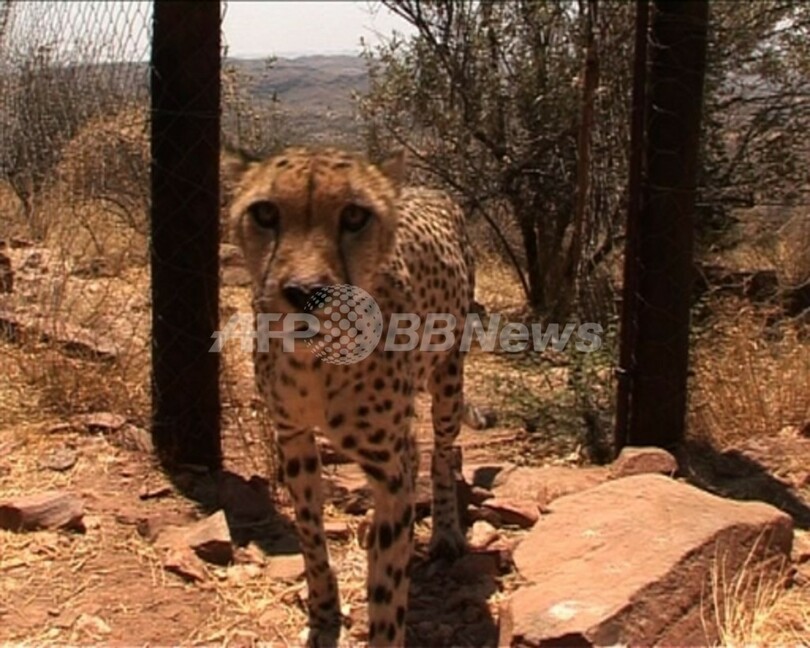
[446, 389]
[301, 468]
[390, 541]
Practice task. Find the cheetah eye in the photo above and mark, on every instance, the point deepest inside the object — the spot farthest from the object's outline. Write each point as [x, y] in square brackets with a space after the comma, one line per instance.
[354, 218]
[264, 214]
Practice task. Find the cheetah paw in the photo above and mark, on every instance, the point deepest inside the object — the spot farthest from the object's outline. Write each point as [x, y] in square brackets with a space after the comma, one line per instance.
[320, 637]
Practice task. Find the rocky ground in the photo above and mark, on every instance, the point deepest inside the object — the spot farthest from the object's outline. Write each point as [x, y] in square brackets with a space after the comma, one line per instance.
[97, 545]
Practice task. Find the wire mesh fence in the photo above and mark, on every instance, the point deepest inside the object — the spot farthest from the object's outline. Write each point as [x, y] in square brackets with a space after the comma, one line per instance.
[74, 174]
[75, 202]
[74, 191]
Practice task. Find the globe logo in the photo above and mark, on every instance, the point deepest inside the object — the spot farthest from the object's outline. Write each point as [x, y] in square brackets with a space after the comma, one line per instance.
[351, 324]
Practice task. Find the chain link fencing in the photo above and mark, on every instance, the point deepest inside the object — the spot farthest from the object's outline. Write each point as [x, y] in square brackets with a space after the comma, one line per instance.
[75, 305]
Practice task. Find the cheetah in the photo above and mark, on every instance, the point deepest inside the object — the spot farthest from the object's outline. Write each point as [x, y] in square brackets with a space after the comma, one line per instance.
[306, 219]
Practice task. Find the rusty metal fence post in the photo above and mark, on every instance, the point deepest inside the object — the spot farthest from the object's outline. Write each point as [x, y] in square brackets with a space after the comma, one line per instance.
[185, 95]
[651, 406]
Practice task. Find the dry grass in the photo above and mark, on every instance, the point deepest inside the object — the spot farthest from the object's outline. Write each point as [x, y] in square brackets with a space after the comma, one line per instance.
[758, 605]
[746, 385]
[751, 389]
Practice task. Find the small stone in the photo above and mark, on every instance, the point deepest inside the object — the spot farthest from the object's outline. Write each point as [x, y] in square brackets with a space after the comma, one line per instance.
[92, 625]
[210, 539]
[290, 567]
[479, 495]
[92, 522]
[149, 528]
[241, 574]
[800, 553]
[101, 421]
[184, 563]
[482, 534]
[60, 459]
[337, 530]
[47, 510]
[154, 491]
[131, 437]
[640, 461]
[515, 512]
[252, 553]
[57, 428]
[476, 514]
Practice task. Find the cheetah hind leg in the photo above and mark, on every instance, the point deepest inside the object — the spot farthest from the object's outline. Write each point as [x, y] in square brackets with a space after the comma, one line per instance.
[446, 388]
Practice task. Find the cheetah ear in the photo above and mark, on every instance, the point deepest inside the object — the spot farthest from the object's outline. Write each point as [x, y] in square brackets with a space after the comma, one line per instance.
[394, 167]
[234, 163]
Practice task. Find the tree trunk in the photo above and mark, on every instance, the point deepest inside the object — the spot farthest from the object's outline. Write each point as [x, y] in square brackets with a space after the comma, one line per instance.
[526, 220]
[590, 80]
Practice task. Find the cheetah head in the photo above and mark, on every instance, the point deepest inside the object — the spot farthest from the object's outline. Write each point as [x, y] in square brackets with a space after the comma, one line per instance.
[308, 219]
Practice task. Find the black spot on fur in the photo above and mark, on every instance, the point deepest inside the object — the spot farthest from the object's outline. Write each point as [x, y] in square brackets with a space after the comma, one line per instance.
[293, 468]
[380, 456]
[386, 536]
[377, 474]
[380, 594]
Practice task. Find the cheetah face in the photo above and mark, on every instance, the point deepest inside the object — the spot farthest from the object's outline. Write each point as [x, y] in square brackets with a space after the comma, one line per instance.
[309, 219]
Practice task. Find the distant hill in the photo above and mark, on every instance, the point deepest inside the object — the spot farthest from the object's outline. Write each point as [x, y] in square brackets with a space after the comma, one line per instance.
[309, 82]
[314, 93]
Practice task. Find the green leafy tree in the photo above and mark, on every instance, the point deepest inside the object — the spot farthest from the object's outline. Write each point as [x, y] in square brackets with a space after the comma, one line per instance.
[490, 97]
[523, 107]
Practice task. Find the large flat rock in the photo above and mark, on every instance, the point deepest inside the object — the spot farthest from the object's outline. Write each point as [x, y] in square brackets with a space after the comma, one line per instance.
[630, 562]
[547, 483]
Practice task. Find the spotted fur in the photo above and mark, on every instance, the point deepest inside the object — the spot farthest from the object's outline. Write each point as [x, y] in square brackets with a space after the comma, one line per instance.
[412, 256]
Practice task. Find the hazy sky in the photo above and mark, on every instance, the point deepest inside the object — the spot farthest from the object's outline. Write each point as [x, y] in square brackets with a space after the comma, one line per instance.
[105, 30]
[287, 27]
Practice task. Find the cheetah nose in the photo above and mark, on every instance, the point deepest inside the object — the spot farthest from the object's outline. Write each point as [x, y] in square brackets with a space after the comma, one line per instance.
[299, 294]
